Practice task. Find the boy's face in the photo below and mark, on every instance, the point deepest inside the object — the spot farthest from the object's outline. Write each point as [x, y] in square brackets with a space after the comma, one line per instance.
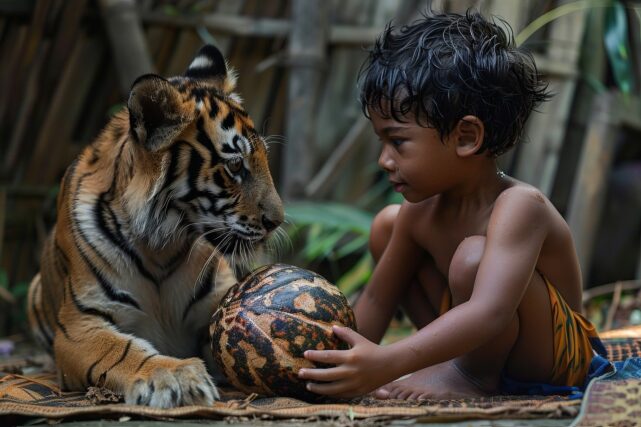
[418, 163]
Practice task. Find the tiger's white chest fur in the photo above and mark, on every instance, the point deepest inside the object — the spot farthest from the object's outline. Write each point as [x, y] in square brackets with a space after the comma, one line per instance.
[173, 314]
[165, 296]
[172, 301]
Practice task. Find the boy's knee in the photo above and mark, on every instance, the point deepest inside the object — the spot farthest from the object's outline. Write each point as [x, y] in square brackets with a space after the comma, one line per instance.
[381, 229]
[464, 265]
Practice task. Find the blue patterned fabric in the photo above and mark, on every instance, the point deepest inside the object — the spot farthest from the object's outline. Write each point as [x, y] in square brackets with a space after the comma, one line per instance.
[600, 369]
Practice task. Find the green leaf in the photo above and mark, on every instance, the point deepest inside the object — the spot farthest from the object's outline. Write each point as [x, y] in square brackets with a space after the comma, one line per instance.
[616, 46]
[329, 214]
[322, 245]
[556, 13]
[20, 290]
[357, 244]
[170, 10]
[357, 276]
[313, 234]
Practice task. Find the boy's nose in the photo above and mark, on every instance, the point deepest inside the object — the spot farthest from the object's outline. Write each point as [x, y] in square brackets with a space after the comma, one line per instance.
[385, 162]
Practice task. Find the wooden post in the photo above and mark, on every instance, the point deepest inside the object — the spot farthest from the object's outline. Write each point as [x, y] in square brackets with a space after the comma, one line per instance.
[538, 160]
[3, 209]
[128, 44]
[55, 132]
[307, 41]
[320, 185]
[586, 201]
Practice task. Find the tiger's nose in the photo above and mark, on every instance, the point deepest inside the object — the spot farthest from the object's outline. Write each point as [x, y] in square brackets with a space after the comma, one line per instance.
[270, 224]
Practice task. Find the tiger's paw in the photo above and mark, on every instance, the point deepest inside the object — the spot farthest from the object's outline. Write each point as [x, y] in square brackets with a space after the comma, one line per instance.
[188, 383]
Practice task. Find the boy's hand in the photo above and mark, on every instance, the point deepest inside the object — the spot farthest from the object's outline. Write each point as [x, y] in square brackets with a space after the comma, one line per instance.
[359, 370]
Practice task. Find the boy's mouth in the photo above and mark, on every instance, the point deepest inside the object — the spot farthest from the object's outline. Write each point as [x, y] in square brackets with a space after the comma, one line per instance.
[399, 187]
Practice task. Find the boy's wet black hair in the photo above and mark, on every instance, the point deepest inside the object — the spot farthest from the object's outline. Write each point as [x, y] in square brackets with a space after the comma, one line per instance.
[445, 66]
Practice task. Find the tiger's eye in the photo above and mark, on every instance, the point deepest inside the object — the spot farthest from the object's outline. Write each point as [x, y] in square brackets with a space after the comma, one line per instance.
[235, 165]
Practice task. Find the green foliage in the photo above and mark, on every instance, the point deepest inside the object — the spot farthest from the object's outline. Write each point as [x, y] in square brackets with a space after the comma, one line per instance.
[338, 233]
[616, 46]
[333, 231]
[556, 13]
[615, 36]
[331, 215]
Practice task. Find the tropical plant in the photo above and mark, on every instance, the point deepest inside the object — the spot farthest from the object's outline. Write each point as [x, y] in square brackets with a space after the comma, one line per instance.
[334, 231]
[615, 36]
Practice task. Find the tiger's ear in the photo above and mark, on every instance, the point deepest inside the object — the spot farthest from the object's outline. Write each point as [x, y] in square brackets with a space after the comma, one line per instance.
[209, 64]
[156, 112]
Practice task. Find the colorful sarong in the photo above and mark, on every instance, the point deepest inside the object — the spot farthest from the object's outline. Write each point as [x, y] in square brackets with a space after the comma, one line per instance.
[579, 354]
[575, 342]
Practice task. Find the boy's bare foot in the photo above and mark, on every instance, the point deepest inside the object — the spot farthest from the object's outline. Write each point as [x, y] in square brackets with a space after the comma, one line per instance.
[442, 381]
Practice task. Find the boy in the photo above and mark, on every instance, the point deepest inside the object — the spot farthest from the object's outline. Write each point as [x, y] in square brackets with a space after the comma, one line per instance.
[483, 264]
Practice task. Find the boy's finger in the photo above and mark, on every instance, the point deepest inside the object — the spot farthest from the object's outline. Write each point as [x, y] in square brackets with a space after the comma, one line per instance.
[326, 356]
[348, 335]
[329, 374]
[337, 388]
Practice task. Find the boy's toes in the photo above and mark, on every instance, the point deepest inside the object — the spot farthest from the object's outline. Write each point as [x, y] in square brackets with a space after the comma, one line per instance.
[417, 395]
[404, 394]
[382, 393]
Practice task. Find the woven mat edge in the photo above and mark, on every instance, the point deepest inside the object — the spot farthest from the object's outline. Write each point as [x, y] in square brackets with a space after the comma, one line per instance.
[568, 408]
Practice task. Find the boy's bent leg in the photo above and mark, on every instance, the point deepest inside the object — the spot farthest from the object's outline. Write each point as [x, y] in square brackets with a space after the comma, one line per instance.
[524, 351]
[451, 379]
[477, 373]
[483, 366]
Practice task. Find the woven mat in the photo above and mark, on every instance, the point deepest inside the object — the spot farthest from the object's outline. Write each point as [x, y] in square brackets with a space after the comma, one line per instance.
[38, 395]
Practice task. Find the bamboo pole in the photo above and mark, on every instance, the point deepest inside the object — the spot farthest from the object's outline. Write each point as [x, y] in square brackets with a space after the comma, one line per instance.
[3, 208]
[586, 201]
[57, 127]
[246, 26]
[306, 50]
[538, 160]
[321, 182]
[128, 44]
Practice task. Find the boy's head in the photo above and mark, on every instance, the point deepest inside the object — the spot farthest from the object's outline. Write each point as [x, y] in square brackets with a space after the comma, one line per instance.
[446, 66]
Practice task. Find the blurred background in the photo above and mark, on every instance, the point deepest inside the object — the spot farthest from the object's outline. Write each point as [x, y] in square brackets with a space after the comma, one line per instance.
[66, 67]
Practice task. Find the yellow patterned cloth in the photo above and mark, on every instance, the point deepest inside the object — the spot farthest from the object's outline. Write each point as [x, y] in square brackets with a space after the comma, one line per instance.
[575, 339]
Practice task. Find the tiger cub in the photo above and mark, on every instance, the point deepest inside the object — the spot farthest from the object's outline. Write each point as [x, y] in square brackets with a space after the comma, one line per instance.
[147, 216]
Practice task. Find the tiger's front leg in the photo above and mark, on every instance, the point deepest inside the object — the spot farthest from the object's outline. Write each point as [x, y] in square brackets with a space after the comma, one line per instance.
[89, 350]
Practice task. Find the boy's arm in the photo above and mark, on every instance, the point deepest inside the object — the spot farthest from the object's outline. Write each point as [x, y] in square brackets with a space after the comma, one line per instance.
[515, 235]
[517, 229]
[391, 277]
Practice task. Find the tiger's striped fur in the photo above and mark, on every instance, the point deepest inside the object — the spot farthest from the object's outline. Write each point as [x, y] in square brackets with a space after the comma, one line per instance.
[148, 215]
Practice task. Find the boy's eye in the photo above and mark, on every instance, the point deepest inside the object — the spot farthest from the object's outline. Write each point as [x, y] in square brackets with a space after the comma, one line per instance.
[235, 165]
[396, 142]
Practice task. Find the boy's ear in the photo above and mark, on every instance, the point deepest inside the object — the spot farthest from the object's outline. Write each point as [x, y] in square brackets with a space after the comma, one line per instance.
[469, 134]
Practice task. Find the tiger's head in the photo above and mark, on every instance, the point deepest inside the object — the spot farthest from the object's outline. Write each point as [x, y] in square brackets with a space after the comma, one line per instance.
[212, 177]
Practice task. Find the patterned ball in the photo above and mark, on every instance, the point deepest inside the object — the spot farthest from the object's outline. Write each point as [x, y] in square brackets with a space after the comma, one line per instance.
[267, 321]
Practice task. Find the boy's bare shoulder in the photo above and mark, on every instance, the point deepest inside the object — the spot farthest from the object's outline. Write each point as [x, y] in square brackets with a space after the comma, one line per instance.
[523, 203]
[520, 192]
